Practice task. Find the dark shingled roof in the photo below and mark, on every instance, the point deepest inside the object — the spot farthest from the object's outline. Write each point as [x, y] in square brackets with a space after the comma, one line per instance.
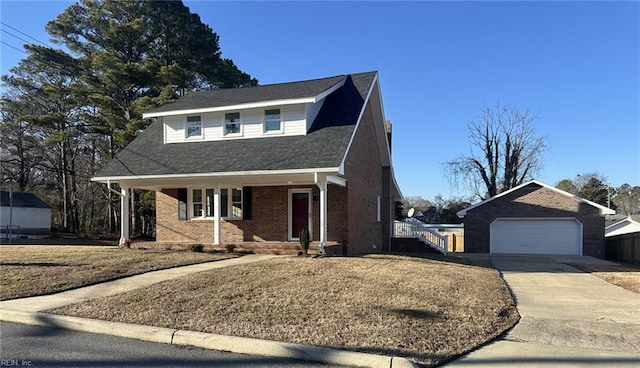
[22, 200]
[237, 96]
[324, 146]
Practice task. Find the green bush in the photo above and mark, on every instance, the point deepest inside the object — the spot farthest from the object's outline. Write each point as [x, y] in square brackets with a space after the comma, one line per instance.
[196, 247]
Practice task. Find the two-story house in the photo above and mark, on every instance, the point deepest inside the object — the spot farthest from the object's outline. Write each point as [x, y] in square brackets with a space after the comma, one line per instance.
[259, 164]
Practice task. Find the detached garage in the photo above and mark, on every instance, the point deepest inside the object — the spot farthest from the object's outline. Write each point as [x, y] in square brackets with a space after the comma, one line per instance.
[535, 218]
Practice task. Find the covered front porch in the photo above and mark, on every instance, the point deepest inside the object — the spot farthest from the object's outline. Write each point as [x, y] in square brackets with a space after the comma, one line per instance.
[249, 210]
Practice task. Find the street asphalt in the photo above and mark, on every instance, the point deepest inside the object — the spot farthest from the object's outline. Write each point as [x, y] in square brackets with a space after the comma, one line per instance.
[40, 346]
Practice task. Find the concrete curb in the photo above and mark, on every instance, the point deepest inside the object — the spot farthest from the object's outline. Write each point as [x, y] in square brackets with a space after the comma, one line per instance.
[241, 345]
[146, 333]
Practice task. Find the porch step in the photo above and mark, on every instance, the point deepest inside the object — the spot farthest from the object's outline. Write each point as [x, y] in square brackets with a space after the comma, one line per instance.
[281, 248]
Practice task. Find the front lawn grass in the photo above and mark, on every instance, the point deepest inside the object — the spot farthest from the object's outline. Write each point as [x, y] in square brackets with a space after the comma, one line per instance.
[624, 275]
[40, 270]
[427, 310]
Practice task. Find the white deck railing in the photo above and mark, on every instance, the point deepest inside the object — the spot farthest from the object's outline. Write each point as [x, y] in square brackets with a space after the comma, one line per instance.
[412, 228]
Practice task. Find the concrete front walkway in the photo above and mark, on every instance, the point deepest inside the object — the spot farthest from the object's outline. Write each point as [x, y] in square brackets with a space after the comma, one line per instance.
[40, 303]
[568, 318]
[27, 311]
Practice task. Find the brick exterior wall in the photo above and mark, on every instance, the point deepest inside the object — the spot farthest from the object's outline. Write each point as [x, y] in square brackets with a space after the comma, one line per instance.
[366, 180]
[534, 201]
[269, 220]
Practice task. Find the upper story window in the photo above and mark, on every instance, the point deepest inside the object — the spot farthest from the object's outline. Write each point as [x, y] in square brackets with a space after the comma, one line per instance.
[232, 123]
[272, 122]
[194, 126]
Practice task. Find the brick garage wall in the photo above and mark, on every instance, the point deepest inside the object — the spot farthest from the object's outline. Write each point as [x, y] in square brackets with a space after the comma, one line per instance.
[364, 174]
[534, 201]
[269, 220]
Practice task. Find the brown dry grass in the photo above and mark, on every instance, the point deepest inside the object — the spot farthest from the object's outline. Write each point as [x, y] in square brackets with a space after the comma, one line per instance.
[38, 270]
[623, 275]
[427, 310]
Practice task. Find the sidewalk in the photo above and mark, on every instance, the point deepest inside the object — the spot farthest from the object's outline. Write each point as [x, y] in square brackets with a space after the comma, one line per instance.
[28, 311]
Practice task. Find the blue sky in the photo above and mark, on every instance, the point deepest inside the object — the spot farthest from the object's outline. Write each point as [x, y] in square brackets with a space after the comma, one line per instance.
[576, 64]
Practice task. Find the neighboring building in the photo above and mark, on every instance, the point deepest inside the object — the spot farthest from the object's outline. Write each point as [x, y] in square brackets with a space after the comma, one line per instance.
[259, 164]
[28, 214]
[622, 226]
[535, 218]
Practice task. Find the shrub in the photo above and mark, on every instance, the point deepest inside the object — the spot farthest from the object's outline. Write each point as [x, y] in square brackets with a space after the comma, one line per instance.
[304, 241]
[230, 247]
[196, 247]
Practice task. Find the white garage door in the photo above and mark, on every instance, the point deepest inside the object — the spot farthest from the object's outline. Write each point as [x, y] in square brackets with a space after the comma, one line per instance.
[536, 236]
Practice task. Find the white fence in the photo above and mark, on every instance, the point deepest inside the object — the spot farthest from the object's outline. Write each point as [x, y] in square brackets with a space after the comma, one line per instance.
[412, 228]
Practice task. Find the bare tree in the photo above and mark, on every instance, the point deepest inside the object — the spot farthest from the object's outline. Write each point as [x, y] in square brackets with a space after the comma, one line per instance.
[417, 202]
[505, 152]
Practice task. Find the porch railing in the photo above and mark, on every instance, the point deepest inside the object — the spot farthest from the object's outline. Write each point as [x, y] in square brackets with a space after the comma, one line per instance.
[412, 228]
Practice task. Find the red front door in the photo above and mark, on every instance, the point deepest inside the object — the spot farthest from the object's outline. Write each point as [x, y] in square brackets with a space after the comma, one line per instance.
[299, 213]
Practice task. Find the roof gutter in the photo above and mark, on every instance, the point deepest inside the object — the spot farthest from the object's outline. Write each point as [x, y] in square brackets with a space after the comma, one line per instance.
[108, 179]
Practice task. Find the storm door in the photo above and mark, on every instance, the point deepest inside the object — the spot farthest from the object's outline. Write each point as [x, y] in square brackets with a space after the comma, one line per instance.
[299, 212]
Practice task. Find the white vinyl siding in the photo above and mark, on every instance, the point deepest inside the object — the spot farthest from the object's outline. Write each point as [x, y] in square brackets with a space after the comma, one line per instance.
[312, 112]
[536, 236]
[174, 129]
[293, 122]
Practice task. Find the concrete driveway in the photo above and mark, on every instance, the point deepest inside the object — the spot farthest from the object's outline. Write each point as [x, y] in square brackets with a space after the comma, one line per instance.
[568, 318]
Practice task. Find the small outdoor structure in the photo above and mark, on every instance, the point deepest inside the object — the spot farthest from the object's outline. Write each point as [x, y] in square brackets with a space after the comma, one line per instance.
[25, 213]
[255, 166]
[535, 218]
[621, 226]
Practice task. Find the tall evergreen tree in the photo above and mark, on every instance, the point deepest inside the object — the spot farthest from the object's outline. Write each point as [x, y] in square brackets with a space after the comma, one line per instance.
[80, 109]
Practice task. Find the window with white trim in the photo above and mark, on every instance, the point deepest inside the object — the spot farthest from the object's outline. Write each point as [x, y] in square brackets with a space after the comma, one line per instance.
[232, 123]
[194, 126]
[203, 207]
[272, 121]
[196, 203]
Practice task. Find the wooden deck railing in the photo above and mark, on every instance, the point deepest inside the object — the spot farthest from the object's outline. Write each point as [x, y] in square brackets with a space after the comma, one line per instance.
[412, 228]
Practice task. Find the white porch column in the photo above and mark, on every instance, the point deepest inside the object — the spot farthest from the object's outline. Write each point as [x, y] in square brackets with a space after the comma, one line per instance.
[124, 215]
[217, 209]
[322, 184]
